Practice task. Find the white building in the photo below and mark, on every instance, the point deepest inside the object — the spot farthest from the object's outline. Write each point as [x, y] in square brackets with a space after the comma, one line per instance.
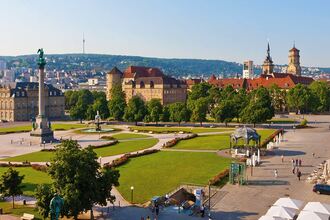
[248, 69]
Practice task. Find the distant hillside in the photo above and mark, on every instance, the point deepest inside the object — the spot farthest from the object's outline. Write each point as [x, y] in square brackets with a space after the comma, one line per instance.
[173, 67]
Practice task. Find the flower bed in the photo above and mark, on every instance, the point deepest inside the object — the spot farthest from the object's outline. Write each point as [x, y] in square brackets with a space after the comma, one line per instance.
[173, 142]
[219, 177]
[122, 160]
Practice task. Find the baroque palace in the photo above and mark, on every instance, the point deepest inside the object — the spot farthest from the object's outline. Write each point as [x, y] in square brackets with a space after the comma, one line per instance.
[19, 101]
[147, 83]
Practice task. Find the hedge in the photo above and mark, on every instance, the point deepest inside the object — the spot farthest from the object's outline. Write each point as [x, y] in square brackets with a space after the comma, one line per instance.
[173, 142]
[217, 178]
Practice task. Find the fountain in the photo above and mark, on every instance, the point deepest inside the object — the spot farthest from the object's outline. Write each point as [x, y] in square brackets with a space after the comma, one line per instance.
[97, 129]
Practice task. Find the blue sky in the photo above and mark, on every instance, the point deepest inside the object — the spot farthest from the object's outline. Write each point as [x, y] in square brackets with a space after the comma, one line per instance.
[232, 30]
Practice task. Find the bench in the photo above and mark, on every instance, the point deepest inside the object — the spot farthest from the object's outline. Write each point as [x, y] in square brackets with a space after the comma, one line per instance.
[27, 216]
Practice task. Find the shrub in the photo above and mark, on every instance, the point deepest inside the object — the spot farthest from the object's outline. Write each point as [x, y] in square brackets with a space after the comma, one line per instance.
[107, 144]
[173, 142]
[217, 178]
[108, 138]
[39, 167]
[271, 137]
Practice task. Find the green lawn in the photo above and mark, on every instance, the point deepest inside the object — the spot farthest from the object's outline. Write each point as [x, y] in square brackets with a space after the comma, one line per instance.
[19, 210]
[126, 147]
[31, 180]
[25, 128]
[160, 173]
[214, 142]
[177, 129]
[120, 148]
[123, 136]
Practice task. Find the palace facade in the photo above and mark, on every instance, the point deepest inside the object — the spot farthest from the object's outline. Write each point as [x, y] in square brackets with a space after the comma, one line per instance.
[147, 83]
[19, 101]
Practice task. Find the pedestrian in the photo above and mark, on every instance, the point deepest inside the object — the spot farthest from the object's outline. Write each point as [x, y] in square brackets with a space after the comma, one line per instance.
[299, 175]
[275, 173]
[293, 169]
[142, 218]
[292, 162]
[202, 211]
[157, 209]
[296, 162]
[313, 154]
[300, 162]
[148, 218]
[282, 158]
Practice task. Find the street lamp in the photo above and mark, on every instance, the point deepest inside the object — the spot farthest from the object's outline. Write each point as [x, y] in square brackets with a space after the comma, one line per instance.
[132, 189]
[101, 161]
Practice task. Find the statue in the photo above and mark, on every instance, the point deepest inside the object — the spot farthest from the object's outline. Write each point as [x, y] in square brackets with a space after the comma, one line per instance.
[55, 206]
[41, 60]
[97, 121]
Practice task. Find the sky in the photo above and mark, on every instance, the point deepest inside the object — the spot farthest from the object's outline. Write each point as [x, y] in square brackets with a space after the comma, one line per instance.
[231, 30]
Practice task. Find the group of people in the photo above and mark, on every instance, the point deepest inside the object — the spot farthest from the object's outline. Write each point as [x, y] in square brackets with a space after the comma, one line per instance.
[296, 163]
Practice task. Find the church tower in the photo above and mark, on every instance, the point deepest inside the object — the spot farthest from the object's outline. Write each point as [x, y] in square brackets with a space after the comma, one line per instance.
[268, 66]
[294, 61]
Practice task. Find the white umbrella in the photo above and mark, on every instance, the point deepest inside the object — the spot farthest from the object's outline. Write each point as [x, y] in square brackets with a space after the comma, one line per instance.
[265, 217]
[289, 203]
[283, 212]
[317, 207]
[307, 215]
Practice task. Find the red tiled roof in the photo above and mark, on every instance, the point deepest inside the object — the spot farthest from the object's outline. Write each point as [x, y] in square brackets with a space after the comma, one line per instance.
[235, 83]
[193, 81]
[141, 71]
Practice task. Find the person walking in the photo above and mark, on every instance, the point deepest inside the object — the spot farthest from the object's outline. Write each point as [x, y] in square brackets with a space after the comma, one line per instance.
[299, 175]
[282, 158]
[293, 169]
[202, 211]
[300, 162]
[313, 154]
[148, 218]
[296, 162]
[275, 173]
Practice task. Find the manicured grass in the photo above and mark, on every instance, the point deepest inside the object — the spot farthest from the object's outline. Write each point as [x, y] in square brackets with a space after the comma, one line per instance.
[282, 120]
[177, 129]
[123, 136]
[19, 210]
[39, 156]
[120, 148]
[214, 142]
[31, 179]
[126, 147]
[26, 128]
[160, 173]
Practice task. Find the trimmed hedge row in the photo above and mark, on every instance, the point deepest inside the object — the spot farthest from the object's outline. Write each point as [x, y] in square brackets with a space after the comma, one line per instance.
[122, 160]
[271, 137]
[107, 144]
[38, 167]
[217, 178]
[9, 164]
[158, 132]
[173, 142]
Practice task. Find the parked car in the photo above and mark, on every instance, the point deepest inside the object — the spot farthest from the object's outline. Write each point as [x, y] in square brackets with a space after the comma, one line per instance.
[321, 189]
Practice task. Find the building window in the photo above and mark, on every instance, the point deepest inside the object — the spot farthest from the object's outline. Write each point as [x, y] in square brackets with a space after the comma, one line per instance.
[17, 94]
[152, 85]
[141, 84]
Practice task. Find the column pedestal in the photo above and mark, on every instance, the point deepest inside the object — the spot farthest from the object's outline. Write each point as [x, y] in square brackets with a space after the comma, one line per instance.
[42, 130]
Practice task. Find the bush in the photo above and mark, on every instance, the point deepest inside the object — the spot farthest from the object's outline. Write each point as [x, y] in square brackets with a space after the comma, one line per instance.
[9, 164]
[216, 179]
[173, 142]
[108, 138]
[107, 144]
[39, 167]
[271, 137]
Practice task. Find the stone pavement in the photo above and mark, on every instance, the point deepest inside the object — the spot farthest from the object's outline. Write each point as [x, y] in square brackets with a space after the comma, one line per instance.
[252, 201]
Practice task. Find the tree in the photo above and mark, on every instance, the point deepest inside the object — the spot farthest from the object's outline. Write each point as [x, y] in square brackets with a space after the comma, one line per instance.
[79, 178]
[321, 93]
[299, 98]
[80, 107]
[117, 103]
[278, 98]
[259, 109]
[155, 109]
[44, 193]
[200, 108]
[11, 184]
[136, 110]
[201, 90]
[165, 116]
[178, 112]
[67, 98]
[224, 112]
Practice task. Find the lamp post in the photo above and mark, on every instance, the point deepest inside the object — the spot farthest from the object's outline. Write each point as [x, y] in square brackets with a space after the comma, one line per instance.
[101, 161]
[132, 189]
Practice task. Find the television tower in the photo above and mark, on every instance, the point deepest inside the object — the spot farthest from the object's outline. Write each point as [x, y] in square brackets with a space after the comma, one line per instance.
[84, 43]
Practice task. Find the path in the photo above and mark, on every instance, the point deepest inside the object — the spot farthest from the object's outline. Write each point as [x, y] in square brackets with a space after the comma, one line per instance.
[254, 200]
